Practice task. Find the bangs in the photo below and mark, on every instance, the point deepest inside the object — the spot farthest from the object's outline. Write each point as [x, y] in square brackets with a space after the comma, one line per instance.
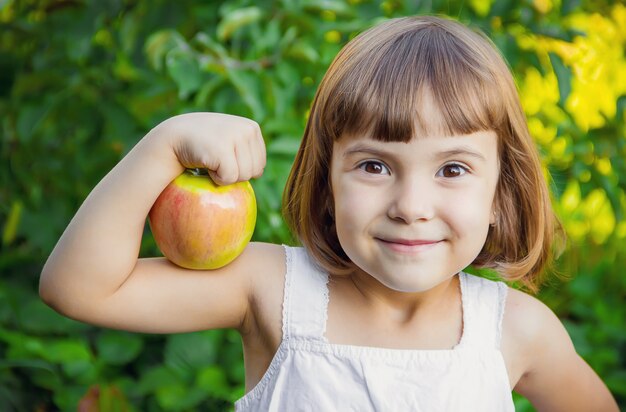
[385, 81]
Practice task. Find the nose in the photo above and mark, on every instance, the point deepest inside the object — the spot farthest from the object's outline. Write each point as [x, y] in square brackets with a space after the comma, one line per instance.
[412, 200]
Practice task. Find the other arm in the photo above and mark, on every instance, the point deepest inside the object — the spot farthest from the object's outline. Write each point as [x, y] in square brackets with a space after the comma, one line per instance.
[554, 377]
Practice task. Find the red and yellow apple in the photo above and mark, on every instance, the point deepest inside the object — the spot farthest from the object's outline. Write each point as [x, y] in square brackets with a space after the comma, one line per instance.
[200, 225]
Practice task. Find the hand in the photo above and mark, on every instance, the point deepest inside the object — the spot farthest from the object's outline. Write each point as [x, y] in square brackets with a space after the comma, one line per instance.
[230, 147]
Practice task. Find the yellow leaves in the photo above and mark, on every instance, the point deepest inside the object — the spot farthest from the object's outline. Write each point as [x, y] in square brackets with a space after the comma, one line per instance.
[538, 91]
[597, 62]
[332, 36]
[599, 67]
[328, 15]
[481, 7]
[558, 148]
[543, 134]
[542, 6]
[603, 165]
[7, 12]
[104, 38]
[619, 16]
[592, 216]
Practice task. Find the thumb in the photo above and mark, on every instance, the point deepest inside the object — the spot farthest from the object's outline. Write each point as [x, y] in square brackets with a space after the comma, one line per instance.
[224, 176]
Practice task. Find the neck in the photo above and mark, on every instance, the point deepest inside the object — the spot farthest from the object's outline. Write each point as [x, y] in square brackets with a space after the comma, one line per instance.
[403, 306]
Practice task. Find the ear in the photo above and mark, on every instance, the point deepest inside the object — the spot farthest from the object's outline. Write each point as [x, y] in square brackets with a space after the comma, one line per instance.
[493, 217]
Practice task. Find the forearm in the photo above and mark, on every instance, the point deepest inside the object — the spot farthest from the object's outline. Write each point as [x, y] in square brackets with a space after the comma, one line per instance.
[100, 247]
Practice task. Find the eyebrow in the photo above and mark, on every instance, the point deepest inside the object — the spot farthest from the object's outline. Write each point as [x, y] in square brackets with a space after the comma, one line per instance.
[361, 148]
[460, 150]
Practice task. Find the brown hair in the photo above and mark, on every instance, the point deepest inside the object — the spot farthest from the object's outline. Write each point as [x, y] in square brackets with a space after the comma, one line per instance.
[374, 86]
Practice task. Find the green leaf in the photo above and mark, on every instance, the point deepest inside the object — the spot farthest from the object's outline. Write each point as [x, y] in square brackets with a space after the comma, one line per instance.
[302, 50]
[12, 222]
[37, 317]
[179, 397]
[68, 350]
[247, 86]
[564, 77]
[117, 347]
[212, 379]
[186, 353]
[183, 68]
[29, 119]
[284, 146]
[341, 8]
[237, 19]
[160, 43]
[155, 378]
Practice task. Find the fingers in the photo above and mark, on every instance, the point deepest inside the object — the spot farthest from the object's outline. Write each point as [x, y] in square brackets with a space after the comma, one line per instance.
[243, 160]
[230, 147]
[256, 146]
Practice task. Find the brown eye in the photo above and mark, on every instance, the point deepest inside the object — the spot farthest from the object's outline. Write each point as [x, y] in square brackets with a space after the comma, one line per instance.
[453, 170]
[375, 168]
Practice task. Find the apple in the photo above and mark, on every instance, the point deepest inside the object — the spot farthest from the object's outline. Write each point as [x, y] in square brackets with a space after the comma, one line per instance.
[200, 225]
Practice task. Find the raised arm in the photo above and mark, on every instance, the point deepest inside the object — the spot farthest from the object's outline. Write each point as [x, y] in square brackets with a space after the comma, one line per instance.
[94, 274]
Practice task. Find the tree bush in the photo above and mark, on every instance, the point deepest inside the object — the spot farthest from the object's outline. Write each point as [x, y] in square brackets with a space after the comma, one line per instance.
[82, 81]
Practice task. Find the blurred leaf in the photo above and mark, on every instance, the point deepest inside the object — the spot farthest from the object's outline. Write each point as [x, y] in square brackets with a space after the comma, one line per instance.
[237, 19]
[212, 379]
[186, 353]
[160, 43]
[81, 82]
[183, 68]
[29, 119]
[117, 347]
[283, 146]
[154, 378]
[67, 351]
[36, 317]
[248, 89]
[180, 397]
[564, 77]
[12, 222]
[103, 398]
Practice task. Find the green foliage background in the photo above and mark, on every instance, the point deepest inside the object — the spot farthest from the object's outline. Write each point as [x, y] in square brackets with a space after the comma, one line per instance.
[82, 81]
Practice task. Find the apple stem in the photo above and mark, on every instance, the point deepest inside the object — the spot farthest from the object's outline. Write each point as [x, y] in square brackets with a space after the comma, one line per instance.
[198, 171]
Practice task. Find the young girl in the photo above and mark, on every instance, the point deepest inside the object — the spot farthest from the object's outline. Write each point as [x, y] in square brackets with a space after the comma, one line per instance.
[416, 162]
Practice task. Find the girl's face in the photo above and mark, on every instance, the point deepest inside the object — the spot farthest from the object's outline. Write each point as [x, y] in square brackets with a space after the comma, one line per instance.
[412, 215]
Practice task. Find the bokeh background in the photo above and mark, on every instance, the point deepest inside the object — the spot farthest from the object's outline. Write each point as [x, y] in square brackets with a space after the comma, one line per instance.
[82, 81]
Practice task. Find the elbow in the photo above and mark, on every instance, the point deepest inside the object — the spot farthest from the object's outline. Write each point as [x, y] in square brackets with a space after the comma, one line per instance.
[50, 292]
[46, 291]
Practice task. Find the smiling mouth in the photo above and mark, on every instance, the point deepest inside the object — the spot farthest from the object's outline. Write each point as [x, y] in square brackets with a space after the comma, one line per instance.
[408, 245]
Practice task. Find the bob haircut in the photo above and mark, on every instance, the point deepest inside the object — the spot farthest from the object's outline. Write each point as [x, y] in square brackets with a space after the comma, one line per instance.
[374, 87]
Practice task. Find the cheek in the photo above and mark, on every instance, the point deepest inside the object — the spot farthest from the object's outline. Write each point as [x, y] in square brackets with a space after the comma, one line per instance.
[471, 214]
[348, 207]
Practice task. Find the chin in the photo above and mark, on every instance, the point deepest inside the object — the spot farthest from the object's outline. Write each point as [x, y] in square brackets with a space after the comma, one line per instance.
[410, 285]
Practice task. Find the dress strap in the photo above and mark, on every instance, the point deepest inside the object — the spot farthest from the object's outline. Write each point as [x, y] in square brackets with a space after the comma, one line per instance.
[305, 297]
[483, 306]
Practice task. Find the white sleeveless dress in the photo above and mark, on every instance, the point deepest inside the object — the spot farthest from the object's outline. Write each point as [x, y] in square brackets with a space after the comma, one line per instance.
[308, 373]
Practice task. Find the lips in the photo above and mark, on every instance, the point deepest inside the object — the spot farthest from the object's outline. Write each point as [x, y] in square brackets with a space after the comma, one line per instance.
[413, 247]
[409, 242]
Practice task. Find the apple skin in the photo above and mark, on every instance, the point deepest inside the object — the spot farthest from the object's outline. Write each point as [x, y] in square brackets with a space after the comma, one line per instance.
[200, 225]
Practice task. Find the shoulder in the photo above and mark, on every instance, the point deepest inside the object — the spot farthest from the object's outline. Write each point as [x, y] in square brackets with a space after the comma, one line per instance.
[543, 360]
[531, 322]
[530, 330]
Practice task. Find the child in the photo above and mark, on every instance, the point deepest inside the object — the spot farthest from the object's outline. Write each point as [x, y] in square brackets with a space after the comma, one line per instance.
[416, 162]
